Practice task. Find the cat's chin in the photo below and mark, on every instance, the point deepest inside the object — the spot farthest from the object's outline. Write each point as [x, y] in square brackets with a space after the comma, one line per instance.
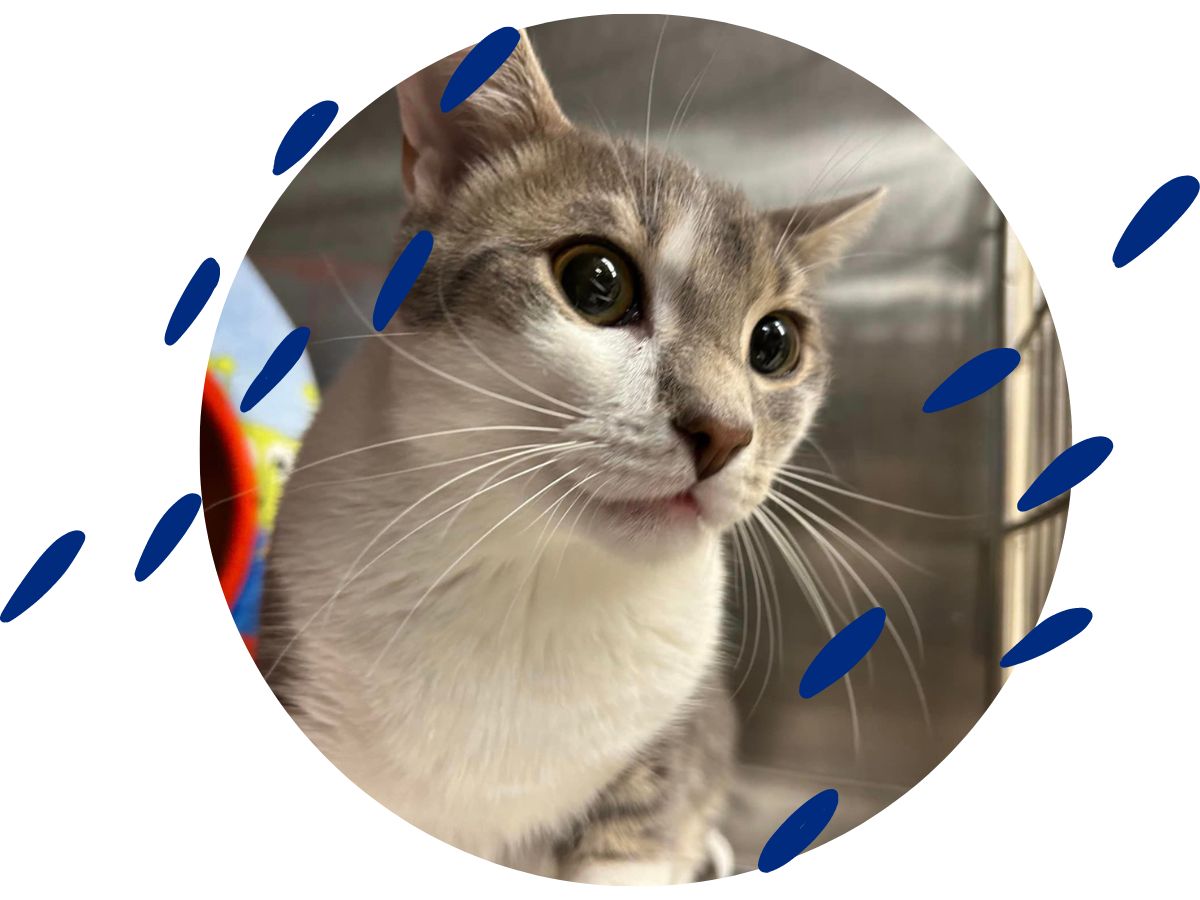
[653, 527]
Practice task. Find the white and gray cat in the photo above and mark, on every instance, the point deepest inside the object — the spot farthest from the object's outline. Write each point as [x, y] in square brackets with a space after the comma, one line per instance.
[496, 590]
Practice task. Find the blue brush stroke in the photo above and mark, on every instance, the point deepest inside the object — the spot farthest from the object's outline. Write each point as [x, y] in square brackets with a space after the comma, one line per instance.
[286, 355]
[166, 535]
[308, 128]
[1155, 218]
[974, 377]
[192, 300]
[44, 574]
[1065, 471]
[401, 278]
[800, 829]
[843, 652]
[479, 65]
[1048, 634]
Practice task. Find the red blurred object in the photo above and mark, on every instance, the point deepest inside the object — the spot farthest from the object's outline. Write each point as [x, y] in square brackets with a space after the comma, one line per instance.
[227, 479]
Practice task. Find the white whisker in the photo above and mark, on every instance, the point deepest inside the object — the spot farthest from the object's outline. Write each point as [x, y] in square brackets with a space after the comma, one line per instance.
[786, 481]
[649, 106]
[391, 443]
[876, 502]
[775, 529]
[884, 573]
[432, 587]
[862, 586]
[496, 367]
[434, 370]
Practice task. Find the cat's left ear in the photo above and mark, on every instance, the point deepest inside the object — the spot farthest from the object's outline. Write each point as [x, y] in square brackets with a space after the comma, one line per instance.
[513, 105]
[819, 235]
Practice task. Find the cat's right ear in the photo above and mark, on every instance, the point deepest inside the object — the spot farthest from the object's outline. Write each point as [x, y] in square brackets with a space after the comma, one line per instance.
[514, 104]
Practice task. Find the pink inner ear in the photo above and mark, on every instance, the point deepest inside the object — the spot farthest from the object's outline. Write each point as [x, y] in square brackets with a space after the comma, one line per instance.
[430, 136]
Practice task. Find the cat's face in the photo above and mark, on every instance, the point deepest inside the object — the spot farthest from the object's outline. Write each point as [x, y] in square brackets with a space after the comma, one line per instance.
[668, 328]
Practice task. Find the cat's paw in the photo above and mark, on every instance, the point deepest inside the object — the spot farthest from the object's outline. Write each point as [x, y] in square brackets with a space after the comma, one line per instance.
[629, 872]
[720, 854]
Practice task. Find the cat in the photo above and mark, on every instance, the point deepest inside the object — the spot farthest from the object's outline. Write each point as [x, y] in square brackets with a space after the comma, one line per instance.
[496, 588]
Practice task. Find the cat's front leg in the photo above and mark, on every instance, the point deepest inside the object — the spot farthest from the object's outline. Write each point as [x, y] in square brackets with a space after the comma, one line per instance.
[657, 822]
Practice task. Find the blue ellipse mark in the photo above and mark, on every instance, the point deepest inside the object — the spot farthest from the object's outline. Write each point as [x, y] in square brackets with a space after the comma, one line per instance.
[843, 652]
[974, 377]
[800, 829]
[401, 279]
[1048, 634]
[192, 300]
[1065, 471]
[167, 534]
[43, 575]
[286, 355]
[1155, 218]
[479, 65]
[309, 127]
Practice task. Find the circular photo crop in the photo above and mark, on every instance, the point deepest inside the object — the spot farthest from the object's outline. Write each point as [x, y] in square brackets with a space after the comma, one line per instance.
[615, 507]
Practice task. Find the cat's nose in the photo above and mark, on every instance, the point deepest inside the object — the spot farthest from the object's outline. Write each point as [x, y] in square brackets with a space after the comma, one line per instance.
[714, 442]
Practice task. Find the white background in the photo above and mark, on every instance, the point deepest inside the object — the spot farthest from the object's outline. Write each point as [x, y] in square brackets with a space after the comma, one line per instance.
[142, 753]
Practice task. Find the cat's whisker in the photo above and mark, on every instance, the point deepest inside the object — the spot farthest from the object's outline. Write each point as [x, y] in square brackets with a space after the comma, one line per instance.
[543, 541]
[449, 526]
[695, 89]
[865, 498]
[787, 232]
[437, 581]
[434, 370]
[613, 146]
[685, 103]
[565, 447]
[851, 610]
[875, 564]
[592, 495]
[494, 366]
[849, 173]
[346, 582]
[785, 480]
[824, 458]
[812, 470]
[360, 337]
[775, 529]
[835, 157]
[454, 379]
[566, 512]
[774, 622]
[862, 586]
[294, 489]
[649, 106]
[843, 616]
[390, 443]
[769, 573]
[737, 583]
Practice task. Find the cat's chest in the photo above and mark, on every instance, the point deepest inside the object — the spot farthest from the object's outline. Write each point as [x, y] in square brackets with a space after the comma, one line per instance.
[529, 699]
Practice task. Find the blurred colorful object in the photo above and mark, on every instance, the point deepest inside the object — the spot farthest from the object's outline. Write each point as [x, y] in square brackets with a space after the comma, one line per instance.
[245, 458]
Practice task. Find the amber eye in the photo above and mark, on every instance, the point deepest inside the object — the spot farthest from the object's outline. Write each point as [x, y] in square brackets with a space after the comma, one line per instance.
[599, 283]
[775, 345]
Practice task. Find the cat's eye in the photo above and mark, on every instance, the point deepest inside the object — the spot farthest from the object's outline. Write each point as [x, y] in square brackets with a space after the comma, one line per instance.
[599, 283]
[775, 345]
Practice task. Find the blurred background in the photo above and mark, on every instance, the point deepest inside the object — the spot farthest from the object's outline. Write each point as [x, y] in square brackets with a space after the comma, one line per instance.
[940, 279]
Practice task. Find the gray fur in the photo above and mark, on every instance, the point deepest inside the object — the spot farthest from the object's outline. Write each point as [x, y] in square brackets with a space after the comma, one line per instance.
[501, 183]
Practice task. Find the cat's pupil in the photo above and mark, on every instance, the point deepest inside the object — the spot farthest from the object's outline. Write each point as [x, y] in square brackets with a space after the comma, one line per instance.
[592, 281]
[774, 345]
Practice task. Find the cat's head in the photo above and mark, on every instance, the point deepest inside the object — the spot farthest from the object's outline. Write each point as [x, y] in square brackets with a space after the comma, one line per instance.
[619, 294]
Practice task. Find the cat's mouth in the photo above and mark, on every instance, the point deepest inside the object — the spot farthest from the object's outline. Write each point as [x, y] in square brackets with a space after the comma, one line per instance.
[683, 505]
[676, 511]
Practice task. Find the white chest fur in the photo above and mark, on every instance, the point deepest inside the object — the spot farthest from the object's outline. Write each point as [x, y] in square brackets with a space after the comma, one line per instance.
[514, 694]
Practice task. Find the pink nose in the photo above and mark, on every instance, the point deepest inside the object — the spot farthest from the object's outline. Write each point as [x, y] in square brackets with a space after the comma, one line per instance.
[714, 442]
